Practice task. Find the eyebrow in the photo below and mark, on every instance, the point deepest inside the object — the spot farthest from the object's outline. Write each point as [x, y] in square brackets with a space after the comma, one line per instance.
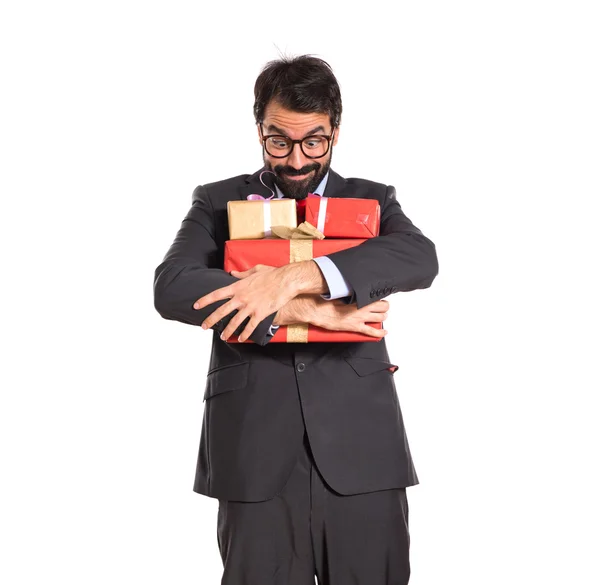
[272, 127]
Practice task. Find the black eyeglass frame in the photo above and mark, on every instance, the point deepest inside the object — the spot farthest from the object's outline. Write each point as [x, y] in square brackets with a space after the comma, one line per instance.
[294, 142]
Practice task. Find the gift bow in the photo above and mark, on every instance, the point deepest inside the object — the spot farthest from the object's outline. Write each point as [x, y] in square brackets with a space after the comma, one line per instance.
[257, 197]
[305, 231]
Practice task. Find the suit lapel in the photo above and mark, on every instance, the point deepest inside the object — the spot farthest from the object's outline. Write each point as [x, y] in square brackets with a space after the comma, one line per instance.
[336, 185]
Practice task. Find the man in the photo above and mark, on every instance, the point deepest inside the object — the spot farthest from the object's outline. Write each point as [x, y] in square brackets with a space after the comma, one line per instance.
[303, 444]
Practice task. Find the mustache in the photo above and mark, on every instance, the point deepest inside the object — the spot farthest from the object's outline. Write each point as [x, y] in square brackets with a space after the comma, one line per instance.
[284, 170]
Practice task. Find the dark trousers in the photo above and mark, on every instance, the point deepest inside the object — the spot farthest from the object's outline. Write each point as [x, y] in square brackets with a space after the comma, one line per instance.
[308, 529]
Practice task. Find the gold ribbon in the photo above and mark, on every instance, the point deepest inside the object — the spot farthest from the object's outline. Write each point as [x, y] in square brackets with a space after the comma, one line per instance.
[301, 248]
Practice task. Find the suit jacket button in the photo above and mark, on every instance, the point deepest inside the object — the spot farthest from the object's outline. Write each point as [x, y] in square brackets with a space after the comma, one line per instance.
[394, 289]
[372, 294]
[378, 292]
[300, 367]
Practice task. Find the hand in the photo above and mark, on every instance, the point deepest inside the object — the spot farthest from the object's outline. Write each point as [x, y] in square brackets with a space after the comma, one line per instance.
[262, 290]
[339, 316]
[334, 315]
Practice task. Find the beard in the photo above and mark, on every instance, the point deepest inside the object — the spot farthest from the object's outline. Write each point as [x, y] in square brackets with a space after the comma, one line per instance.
[295, 189]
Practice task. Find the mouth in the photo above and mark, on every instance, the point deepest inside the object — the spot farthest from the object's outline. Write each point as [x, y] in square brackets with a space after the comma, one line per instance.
[298, 177]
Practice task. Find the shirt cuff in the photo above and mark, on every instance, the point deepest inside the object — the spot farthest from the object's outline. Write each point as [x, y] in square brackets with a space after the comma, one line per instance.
[338, 286]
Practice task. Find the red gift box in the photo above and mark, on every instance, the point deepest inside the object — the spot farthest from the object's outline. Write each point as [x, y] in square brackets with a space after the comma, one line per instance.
[343, 217]
[244, 254]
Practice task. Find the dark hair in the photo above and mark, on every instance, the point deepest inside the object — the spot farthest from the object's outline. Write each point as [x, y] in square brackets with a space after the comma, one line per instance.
[302, 84]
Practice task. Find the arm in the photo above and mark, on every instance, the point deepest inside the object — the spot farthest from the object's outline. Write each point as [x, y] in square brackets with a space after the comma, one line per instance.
[401, 258]
[337, 285]
[333, 315]
[190, 270]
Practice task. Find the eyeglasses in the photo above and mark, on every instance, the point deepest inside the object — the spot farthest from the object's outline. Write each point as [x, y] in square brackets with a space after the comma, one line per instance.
[280, 146]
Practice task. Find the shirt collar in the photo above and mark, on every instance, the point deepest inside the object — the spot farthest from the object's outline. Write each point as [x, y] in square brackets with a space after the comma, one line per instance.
[318, 191]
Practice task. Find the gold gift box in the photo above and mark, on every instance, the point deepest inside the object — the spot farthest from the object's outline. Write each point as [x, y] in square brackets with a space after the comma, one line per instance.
[252, 220]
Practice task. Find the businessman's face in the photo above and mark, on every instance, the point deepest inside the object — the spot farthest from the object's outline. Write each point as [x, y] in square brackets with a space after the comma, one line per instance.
[296, 173]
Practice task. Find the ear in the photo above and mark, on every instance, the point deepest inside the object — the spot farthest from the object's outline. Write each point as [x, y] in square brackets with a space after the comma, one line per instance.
[335, 135]
[258, 132]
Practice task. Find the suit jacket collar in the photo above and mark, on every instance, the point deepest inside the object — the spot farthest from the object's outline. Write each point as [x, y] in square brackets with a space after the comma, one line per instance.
[334, 188]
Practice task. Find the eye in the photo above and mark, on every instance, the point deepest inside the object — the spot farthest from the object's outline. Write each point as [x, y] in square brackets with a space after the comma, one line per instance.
[279, 142]
[313, 142]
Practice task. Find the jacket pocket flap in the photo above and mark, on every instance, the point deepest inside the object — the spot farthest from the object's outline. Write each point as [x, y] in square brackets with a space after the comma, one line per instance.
[366, 366]
[231, 377]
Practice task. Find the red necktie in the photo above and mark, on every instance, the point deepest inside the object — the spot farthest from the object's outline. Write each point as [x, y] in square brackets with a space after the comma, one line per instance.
[301, 210]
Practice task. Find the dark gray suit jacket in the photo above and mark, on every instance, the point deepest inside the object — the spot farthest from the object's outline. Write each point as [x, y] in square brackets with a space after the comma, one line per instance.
[259, 397]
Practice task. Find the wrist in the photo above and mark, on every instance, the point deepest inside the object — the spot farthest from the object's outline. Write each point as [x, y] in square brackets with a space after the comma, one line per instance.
[313, 310]
[306, 309]
[286, 315]
[299, 310]
[305, 277]
[281, 316]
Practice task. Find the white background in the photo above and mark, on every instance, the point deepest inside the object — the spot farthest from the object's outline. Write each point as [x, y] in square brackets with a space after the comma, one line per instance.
[485, 117]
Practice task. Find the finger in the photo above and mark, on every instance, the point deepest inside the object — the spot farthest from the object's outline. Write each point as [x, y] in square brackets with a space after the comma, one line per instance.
[233, 324]
[214, 296]
[221, 312]
[373, 313]
[377, 317]
[249, 329]
[373, 331]
[254, 270]
[241, 273]
[377, 306]
[381, 305]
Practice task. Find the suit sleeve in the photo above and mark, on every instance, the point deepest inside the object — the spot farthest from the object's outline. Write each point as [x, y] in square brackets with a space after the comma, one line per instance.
[401, 258]
[191, 269]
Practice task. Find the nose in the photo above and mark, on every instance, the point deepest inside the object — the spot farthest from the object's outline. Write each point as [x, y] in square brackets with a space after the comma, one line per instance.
[296, 158]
